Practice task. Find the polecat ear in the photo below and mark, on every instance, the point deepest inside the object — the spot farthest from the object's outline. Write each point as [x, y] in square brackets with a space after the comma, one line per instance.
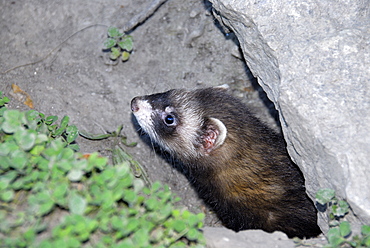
[214, 135]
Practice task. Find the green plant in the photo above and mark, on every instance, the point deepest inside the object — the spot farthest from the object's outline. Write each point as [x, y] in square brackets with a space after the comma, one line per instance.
[119, 44]
[53, 196]
[340, 233]
[3, 101]
[119, 154]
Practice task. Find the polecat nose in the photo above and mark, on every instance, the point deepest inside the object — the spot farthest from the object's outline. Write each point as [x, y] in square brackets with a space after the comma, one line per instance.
[134, 105]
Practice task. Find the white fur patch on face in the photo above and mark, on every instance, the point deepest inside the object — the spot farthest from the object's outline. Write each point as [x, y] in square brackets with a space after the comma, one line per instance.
[169, 109]
[144, 117]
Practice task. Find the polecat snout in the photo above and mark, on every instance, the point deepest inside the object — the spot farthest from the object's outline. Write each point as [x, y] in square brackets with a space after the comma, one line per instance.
[238, 166]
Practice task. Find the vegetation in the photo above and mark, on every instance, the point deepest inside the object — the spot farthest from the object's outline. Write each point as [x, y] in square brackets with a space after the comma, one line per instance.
[53, 196]
[340, 233]
[119, 44]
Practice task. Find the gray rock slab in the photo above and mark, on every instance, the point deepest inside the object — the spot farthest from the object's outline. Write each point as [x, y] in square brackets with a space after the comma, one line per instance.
[313, 60]
[218, 237]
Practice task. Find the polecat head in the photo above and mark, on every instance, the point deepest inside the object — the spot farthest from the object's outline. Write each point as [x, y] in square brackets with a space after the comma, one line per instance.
[178, 122]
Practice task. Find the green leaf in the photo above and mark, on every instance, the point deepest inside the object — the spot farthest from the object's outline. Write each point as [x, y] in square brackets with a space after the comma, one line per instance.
[62, 128]
[12, 115]
[72, 133]
[115, 53]
[18, 159]
[109, 43]
[41, 202]
[123, 169]
[156, 186]
[126, 243]
[125, 56]
[179, 225]
[129, 196]
[152, 204]
[3, 185]
[75, 175]
[366, 241]
[25, 138]
[83, 237]
[126, 43]
[114, 32]
[59, 131]
[67, 154]
[7, 195]
[18, 184]
[76, 204]
[141, 238]
[341, 209]
[324, 196]
[92, 225]
[334, 237]
[365, 230]
[29, 235]
[193, 234]
[117, 223]
[6, 147]
[201, 217]
[60, 190]
[42, 116]
[186, 214]
[6, 178]
[4, 163]
[52, 128]
[132, 224]
[51, 119]
[12, 121]
[193, 219]
[105, 225]
[46, 207]
[74, 147]
[41, 138]
[80, 227]
[138, 185]
[96, 161]
[107, 175]
[64, 122]
[164, 212]
[176, 213]
[345, 228]
[3, 99]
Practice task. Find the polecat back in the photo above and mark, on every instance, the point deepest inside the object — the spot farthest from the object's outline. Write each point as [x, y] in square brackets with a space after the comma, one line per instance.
[238, 166]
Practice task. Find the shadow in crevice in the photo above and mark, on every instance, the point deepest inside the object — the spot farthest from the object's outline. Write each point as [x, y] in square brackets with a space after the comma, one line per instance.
[229, 35]
[266, 101]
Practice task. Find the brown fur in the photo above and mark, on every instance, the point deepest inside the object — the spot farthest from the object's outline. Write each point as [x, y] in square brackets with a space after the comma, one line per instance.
[246, 177]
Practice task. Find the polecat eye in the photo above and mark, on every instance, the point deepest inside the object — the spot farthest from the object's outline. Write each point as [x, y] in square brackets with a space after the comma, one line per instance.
[169, 120]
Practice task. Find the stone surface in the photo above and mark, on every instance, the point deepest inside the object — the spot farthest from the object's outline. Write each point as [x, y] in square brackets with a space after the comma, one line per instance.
[218, 237]
[313, 60]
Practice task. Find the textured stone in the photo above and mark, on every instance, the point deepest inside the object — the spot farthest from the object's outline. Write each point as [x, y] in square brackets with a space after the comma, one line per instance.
[313, 60]
[218, 237]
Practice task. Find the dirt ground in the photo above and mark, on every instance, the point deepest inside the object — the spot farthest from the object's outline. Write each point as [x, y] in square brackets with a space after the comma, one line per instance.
[180, 45]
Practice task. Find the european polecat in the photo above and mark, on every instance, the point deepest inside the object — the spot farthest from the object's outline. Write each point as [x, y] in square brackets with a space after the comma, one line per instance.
[238, 166]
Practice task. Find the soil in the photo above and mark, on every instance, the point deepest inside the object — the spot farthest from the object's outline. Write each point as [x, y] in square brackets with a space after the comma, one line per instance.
[180, 45]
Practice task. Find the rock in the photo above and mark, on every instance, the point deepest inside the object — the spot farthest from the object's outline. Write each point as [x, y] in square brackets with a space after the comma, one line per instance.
[218, 237]
[313, 60]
